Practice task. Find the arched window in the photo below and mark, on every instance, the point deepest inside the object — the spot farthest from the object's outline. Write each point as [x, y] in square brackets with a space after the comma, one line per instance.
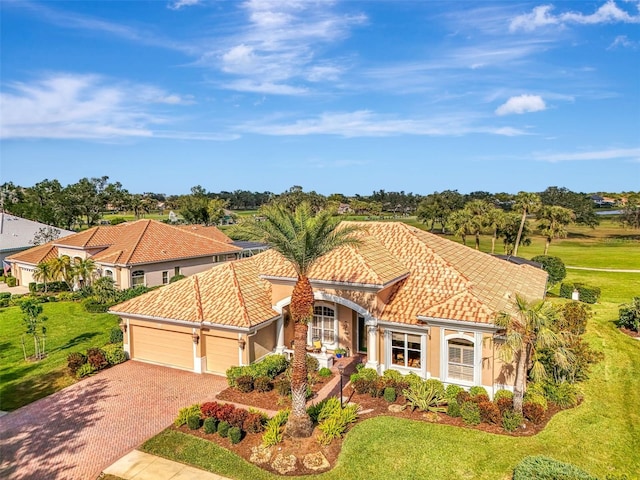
[108, 273]
[137, 278]
[461, 360]
[323, 325]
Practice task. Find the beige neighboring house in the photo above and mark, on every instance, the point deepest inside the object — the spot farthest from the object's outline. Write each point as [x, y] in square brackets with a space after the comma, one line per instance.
[143, 252]
[17, 234]
[406, 299]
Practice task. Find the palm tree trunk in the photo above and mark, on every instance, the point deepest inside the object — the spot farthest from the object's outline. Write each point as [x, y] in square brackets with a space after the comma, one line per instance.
[546, 245]
[493, 242]
[520, 383]
[524, 219]
[477, 240]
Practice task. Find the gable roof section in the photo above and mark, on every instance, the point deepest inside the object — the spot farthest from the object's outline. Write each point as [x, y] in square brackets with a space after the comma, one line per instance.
[35, 255]
[230, 294]
[210, 231]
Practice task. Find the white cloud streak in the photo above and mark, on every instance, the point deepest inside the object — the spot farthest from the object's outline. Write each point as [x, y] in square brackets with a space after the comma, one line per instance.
[623, 41]
[521, 104]
[542, 16]
[178, 4]
[364, 123]
[594, 155]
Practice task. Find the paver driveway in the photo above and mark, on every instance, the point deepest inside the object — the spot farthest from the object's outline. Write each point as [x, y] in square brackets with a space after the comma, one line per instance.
[77, 432]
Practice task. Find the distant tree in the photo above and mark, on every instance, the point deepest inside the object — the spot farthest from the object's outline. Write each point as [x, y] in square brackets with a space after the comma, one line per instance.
[629, 315]
[295, 196]
[62, 268]
[45, 235]
[509, 232]
[461, 223]
[34, 325]
[630, 216]
[216, 210]
[525, 203]
[194, 208]
[554, 267]
[479, 195]
[479, 210]
[88, 196]
[437, 207]
[495, 221]
[84, 271]
[580, 203]
[552, 223]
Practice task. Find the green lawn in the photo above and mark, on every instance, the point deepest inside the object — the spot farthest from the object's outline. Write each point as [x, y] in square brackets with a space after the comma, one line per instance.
[69, 329]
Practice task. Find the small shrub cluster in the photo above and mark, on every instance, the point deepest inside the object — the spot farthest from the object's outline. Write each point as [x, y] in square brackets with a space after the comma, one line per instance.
[273, 431]
[324, 372]
[389, 394]
[544, 468]
[334, 420]
[426, 396]
[511, 420]
[629, 315]
[470, 413]
[185, 413]
[271, 366]
[223, 418]
[4, 299]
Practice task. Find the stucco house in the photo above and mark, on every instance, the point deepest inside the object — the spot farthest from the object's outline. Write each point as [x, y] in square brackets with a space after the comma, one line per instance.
[143, 252]
[17, 234]
[406, 299]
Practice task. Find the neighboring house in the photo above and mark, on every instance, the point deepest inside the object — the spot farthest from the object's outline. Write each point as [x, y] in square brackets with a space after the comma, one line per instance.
[17, 234]
[144, 252]
[407, 299]
[344, 208]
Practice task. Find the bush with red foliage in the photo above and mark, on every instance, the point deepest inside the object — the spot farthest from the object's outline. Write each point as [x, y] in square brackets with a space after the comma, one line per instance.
[504, 404]
[210, 409]
[533, 412]
[96, 358]
[361, 385]
[224, 412]
[480, 398]
[237, 417]
[463, 397]
[489, 412]
[253, 423]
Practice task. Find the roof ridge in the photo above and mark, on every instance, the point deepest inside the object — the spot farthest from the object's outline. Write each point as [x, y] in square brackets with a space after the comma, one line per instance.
[204, 236]
[137, 242]
[239, 293]
[196, 284]
[95, 230]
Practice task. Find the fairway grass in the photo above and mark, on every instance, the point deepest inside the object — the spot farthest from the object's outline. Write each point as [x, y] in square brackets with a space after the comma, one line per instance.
[69, 329]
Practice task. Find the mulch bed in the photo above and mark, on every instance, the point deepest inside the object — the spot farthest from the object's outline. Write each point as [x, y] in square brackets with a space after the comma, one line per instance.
[631, 333]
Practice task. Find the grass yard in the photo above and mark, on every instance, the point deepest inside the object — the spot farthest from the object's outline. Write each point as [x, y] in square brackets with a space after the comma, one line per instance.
[69, 329]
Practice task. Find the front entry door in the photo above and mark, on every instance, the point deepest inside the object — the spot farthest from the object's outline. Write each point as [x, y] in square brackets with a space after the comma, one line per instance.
[362, 335]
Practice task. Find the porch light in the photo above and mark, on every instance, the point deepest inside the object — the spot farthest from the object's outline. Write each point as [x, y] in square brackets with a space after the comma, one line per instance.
[195, 337]
[123, 327]
[341, 372]
[242, 343]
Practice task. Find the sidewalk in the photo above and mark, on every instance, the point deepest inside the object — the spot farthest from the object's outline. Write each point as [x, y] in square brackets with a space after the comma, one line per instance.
[138, 465]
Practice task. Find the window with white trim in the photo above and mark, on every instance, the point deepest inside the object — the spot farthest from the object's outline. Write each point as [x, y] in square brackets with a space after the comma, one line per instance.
[137, 278]
[323, 324]
[165, 278]
[405, 350]
[461, 360]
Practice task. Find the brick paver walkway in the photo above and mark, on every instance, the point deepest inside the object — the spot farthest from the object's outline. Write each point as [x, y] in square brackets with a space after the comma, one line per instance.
[76, 433]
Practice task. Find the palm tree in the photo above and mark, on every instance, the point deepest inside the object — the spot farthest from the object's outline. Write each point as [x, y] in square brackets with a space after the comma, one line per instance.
[479, 209]
[553, 220]
[495, 220]
[62, 268]
[526, 332]
[526, 203]
[83, 270]
[302, 239]
[461, 223]
[43, 272]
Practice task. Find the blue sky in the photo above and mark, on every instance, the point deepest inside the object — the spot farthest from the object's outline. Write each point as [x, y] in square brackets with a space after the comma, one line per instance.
[348, 97]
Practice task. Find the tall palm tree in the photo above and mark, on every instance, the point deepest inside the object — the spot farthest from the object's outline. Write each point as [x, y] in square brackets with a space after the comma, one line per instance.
[302, 238]
[479, 209]
[526, 203]
[43, 272]
[461, 223]
[84, 270]
[553, 221]
[527, 331]
[495, 221]
[63, 269]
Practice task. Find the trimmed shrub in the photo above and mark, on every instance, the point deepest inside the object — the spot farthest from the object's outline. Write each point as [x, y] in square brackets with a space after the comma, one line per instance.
[210, 425]
[511, 420]
[533, 412]
[544, 468]
[193, 421]
[588, 294]
[367, 373]
[210, 409]
[263, 384]
[115, 335]
[502, 394]
[253, 423]
[224, 412]
[437, 385]
[85, 370]
[185, 413]
[453, 408]
[376, 387]
[32, 287]
[393, 375]
[532, 396]
[223, 429]
[324, 372]
[470, 413]
[91, 305]
[114, 353]
[283, 387]
[452, 391]
[463, 397]
[312, 364]
[481, 397]
[237, 417]
[96, 358]
[244, 383]
[361, 385]
[176, 278]
[75, 360]
[554, 266]
[11, 281]
[504, 404]
[565, 395]
[489, 412]
[477, 390]
[573, 318]
[389, 394]
[629, 315]
[235, 435]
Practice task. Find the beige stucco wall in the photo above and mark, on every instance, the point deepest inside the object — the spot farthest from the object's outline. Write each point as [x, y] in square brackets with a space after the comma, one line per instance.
[433, 352]
[263, 342]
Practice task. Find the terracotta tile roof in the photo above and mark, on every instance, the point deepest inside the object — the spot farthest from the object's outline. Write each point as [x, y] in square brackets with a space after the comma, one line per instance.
[212, 232]
[35, 255]
[445, 280]
[229, 294]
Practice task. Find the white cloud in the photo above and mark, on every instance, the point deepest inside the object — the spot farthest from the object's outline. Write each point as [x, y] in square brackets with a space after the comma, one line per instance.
[542, 16]
[71, 106]
[521, 104]
[178, 4]
[364, 123]
[280, 46]
[611, 154]
[624, 42]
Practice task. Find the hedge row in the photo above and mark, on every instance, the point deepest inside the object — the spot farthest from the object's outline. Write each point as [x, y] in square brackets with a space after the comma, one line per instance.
[588, 294]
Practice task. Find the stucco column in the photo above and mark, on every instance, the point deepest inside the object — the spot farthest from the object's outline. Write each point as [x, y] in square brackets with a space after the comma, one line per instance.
[198, 359]
[372, 347]
[280, 346]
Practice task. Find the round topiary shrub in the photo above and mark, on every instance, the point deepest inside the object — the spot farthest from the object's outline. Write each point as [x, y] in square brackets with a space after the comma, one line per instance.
[470, 413]
[502, 394]
[389, 394]
[210, 425]
[235, 435]
[223, 429]
[511, 420]
[193, 422]
[324, 372]
[263, 384]
[244, 383]
[452, 391]
[453, 408]
[75, 360]
[115, 335]
[478, 390]
[489, 412]
[533, 412]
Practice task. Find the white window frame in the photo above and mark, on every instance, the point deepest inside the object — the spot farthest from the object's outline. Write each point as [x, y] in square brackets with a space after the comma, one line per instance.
[388, 346]
[468, 347]
[144, 279]
[336, 336]
[476, 343]
[165, 277]
[108, 273]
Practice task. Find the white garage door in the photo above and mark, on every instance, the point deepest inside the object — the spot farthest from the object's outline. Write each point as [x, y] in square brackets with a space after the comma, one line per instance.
[222, 353]
[162, 346]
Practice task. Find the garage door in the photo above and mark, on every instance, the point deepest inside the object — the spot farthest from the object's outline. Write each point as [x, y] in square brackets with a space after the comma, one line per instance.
[162, 346]
[222, 353]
